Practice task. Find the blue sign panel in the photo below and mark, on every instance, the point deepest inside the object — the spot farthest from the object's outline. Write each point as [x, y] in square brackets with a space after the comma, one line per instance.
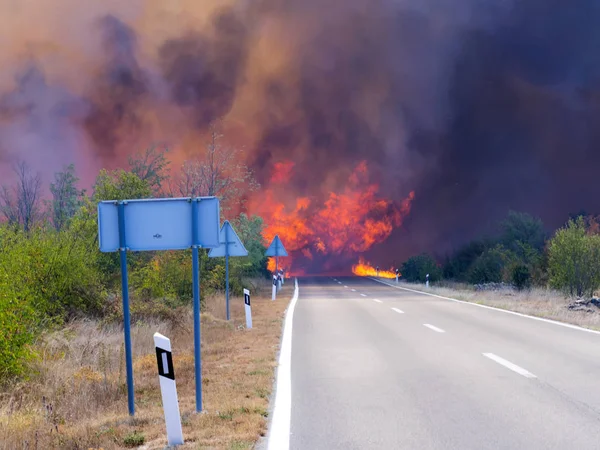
[236, 247]
[276, 248]
[208, 222]
[158, 224]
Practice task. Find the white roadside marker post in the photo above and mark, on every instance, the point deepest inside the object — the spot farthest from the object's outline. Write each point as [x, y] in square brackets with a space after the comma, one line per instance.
[427, 282]
[274, 293]
[248, 309]
[278, 281]
[168, 389]
[282, 276]
[397, 273]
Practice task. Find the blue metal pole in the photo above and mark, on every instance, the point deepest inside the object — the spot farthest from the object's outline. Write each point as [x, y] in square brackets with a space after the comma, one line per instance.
[126, 319]
[196, 291]
[227, 270]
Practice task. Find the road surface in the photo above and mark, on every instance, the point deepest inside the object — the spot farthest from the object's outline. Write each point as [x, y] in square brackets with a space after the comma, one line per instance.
[376, 367]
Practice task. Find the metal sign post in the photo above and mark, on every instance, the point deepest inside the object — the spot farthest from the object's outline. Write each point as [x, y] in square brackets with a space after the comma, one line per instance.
[159, 224]
[248, 309]
[168, 389]
[229, 245]
[126, 318]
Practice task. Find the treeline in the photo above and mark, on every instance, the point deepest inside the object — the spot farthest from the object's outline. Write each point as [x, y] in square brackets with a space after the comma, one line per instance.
[522, 254]
[52, 272]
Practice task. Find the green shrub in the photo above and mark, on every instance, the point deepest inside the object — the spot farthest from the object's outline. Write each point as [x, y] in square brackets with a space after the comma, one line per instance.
[490, 266]
[574, 259]
[134, 439]
[521, 276]
[416, 268]
[18, 325]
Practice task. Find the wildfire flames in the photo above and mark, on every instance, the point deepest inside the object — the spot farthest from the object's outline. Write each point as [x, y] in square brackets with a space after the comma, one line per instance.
[344, 224]
[365, 269]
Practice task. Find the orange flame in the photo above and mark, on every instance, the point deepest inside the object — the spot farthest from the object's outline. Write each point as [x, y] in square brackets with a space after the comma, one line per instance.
[365, 269]
[346, 223]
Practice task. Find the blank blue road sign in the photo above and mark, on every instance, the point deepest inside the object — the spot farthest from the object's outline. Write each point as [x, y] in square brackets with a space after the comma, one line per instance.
[276, 248]
[158, 224]
[208, 222]
[236, 247]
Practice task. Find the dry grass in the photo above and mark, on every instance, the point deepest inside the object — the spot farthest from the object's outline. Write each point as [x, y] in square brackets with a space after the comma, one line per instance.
[77, 399]
[538, 302]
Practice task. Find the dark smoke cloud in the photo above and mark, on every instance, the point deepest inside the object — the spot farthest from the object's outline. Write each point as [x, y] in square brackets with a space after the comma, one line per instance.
[523, 130]
[479, 105]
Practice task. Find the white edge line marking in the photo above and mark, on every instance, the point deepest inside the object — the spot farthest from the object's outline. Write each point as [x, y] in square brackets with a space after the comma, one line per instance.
[509, 365]
[433, 327]
[506, 311]
[377, 300]
[399, 311]
[279, 435]
[364, 295]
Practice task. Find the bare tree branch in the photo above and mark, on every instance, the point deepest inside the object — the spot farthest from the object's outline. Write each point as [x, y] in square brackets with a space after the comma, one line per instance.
[20, 205]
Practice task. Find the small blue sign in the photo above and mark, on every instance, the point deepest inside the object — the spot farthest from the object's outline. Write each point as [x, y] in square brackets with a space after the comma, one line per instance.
[235, 245]
[276, 248]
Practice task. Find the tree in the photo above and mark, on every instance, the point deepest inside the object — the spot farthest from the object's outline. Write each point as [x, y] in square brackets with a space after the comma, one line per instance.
[416, 268]
[66, 198]
[218, 173]
[520, 231]
[151, 166]
[120, 185]
[490, 266]
[250, 230]
[20, 204]
[458, 265]
[574, 259]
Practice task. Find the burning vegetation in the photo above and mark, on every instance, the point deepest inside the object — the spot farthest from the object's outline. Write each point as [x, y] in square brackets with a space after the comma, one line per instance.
[338, 227]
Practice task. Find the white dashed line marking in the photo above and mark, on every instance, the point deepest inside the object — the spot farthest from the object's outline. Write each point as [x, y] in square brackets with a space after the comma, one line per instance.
[376, 300]
[434, 328]
[399, 311]
[509, 365]
[364, 295]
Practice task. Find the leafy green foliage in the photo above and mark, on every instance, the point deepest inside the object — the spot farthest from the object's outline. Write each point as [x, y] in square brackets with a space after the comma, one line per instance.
[490, 266]
[416, 268]
[521, 231]
[521, 276]
[120, 185]
[249, 230]
[66, 197]
[574, 259]
[458, 265]
[18, 321]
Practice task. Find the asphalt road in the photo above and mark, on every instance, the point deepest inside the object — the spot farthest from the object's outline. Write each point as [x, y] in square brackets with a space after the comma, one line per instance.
[375, 367]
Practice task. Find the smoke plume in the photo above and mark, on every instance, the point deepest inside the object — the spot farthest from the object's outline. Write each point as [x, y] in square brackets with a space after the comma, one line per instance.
[477, 106]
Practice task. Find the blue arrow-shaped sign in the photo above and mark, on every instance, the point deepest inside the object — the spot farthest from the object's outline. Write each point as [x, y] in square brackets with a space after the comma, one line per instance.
[234, 246]
[276, 248]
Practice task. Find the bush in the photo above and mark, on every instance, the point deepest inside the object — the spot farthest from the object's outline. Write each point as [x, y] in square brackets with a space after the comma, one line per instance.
[574, 259]
[56, 269]
[416, 268]
[489, 267]
[521, 276]
[458, 265]
[18, 324]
